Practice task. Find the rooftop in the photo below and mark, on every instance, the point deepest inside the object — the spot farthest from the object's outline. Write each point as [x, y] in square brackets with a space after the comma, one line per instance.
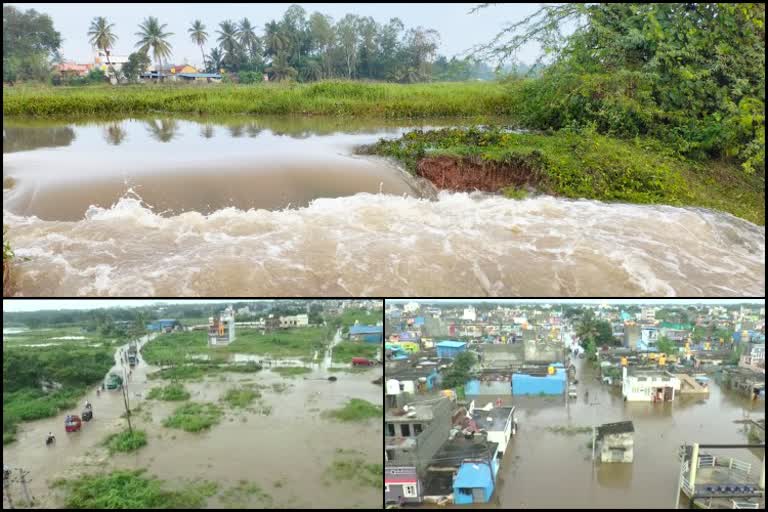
[473, 475]
[411, 373]
[366, 329]
[456, 450]
[416, 412]
[495, 419]
[451, 344]
[620, 427]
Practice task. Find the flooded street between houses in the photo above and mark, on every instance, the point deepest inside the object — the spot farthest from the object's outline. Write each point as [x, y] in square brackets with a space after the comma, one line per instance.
[287, 451]
[544, 469]
[283, 206]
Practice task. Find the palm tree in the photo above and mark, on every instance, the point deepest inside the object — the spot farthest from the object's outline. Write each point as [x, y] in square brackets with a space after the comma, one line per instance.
[275, 40]
[586, 329]
[163, 130]
[214, 59]
[152, 36]
[248, 37]
[280, 67]
[198, 35]
[115, 134]
[229, 40]
[102, 36]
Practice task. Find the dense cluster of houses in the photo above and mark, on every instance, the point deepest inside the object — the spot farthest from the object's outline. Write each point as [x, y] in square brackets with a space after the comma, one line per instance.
[445, 445]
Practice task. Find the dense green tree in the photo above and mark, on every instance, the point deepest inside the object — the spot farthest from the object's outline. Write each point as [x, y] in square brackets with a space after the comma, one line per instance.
[689, 74]
[29, 43]
[138, 63]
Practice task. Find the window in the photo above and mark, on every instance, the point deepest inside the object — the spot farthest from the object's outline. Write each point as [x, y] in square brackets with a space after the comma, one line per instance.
[409, 491]
[402, 387]
[390, 455]
[405, 429]
[417, 429]
[467, 491]
[390, 429]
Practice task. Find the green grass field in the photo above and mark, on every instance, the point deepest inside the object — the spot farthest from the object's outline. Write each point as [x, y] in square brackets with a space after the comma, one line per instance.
[328, 97]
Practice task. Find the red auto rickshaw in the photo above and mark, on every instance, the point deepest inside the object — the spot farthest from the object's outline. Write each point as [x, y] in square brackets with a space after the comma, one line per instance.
[72, 423]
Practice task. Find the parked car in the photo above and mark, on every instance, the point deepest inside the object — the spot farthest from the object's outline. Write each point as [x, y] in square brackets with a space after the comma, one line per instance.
[362, 361]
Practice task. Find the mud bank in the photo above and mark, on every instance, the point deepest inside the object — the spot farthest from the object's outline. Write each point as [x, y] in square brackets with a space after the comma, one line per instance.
[470, 173]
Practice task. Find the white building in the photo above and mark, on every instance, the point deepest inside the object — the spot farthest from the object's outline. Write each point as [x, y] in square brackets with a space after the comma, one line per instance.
[221, 328]
[648, 314]
[470, 314]
[100, 59]
[652, 386]
[498, 422]
[411, 307]
[294, 321]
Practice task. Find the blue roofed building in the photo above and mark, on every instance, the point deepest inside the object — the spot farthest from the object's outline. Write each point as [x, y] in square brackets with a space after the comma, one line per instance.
[164, 324]
[418, 321]
[450, 349]
[473, 483]
[530, 383]
[367, 333]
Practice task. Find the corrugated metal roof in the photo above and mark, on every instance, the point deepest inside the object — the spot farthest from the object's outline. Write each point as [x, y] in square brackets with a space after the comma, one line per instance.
[366, 329]
[199, 75]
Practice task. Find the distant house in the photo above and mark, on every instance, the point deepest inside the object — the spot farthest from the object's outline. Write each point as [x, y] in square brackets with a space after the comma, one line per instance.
[70, 69]
[200, 77]
[367, 333]
[401, 485]
[617, 441]
[649, 386]
[221, 328]
[184, 68]
[450, 349]
[165, 325]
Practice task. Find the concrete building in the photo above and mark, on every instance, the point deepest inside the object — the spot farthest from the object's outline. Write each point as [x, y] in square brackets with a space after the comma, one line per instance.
[470, 314]
[649, 386]
[449, 472]
[411, 307]
[413, 434]
[617, 441]
[498, 422]
[547, 380]
[401, 485]
[221, 328]
[489, 382]
[543, 351]
[502, 355]
[294, 321]
[450, 349]
[417, 379]
[648, 314]
[632, 335]
[165, 325]
[473, 483]
[367, 333]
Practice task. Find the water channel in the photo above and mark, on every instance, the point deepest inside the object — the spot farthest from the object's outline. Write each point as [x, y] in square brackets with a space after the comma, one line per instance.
[282, 206]
[293, 444]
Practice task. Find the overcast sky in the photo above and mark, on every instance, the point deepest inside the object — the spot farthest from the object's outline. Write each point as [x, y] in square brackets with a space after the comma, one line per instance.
[458, 30]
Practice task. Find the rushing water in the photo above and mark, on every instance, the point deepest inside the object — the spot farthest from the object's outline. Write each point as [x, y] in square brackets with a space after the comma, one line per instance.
[171, 207]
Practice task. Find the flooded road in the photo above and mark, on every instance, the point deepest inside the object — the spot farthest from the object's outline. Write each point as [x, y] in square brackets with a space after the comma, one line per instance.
[287, 453]
[547, 469]
[170, 207]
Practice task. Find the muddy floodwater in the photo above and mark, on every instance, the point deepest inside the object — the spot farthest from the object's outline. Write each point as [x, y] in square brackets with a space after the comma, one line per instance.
[282, 206]
[543, 469]
[287, 452]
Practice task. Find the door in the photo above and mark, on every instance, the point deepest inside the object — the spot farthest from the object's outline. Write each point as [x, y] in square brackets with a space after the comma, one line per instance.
[478, 495]
[667, 394]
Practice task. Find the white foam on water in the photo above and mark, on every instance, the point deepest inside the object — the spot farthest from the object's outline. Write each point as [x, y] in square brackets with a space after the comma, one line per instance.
[386, 245]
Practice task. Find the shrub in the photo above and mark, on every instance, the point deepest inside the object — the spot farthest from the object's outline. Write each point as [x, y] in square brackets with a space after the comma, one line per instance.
[126, 441]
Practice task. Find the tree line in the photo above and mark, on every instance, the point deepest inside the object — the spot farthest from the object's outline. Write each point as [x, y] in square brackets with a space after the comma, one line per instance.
[299, 46]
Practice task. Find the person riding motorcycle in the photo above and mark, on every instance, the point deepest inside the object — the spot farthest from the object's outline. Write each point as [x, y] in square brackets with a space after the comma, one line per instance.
[50, 439]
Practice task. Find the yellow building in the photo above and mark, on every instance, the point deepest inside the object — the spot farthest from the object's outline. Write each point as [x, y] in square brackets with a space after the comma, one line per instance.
[184, 68]
[408, 346]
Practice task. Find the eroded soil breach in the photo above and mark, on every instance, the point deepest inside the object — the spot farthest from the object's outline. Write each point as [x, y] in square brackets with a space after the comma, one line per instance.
[467, 174]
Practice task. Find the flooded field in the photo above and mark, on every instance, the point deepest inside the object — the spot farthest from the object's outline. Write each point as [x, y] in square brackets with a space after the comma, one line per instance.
[172, 207]
[286, 446]
[547, 469]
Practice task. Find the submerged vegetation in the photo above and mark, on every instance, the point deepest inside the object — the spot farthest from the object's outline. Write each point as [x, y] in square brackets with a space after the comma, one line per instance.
[194, 417]
[172, 392]
[132, 490]
[345, 468]
[291, 371]
[356, 410]
[126, 441]
[345, 351]
[241, 397]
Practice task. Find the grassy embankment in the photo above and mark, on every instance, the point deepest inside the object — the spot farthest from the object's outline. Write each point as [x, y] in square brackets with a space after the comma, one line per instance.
[578, 165]
[346, 350]
[69, 369]
[322, 98]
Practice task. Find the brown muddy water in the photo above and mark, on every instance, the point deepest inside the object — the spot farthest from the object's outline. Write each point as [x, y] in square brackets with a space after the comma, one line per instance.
[287, 453]
[225, 207]
[543, 469]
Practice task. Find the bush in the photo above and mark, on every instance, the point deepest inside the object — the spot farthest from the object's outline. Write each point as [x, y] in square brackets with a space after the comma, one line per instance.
[250, 77]
[356, 410]
[171, 392]
[240, 397]
[194, 417]
[125, 441]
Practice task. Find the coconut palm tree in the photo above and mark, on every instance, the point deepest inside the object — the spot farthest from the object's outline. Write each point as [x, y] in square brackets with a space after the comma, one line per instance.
[280, 68]
[248, 38]
[275, 39]
[229, 36]
[115, 134]
[102, 37]
[199, 36]
[153, 37]
[214, 60]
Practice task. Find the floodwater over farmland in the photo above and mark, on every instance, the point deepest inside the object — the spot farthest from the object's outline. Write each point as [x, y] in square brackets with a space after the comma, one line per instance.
[546, 469]
[287, 451]
[174, 207]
